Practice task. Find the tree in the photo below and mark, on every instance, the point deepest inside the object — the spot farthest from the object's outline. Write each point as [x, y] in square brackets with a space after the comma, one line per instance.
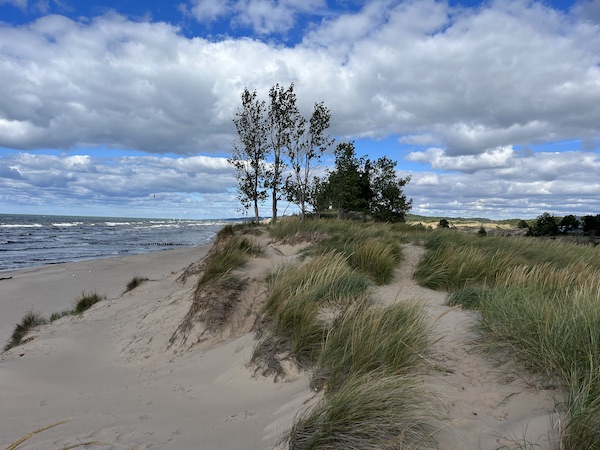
[304, 155]
[443, 223]
[388, 202]
[570, 222]
[348, 186]
[591, 224]
[545, 225]
[286, 128]
[359, 185]
[249, 150]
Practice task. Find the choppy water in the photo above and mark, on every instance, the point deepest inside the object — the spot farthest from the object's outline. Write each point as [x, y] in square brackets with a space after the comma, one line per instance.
[29, 241]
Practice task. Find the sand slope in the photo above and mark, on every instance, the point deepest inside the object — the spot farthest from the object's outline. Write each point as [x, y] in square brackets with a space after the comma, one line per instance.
[113, 372]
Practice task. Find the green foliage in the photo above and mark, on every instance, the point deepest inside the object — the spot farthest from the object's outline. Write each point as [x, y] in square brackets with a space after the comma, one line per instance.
[545, 225]
[443, 223]
[86, 301]
[135, 282]
[302, 187]
[591, 224]
[29, 321]
[570, 222]
[388, 202]
[249, 152]
[481, 232]
[271, 138]
[348, 185]
[522, 224]
[361, 186]
[368, 412]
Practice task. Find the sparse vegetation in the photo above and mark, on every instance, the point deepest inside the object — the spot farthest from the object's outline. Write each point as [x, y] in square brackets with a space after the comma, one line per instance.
[135, 282]
[29, 321]
[231, 254]
[319, 314]
[86, 301]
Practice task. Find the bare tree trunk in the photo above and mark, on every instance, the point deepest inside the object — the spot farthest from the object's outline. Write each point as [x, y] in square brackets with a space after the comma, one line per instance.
[274, 219]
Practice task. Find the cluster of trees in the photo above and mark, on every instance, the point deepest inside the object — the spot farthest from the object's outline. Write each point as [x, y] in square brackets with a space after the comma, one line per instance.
[549, 225]
[278, 150]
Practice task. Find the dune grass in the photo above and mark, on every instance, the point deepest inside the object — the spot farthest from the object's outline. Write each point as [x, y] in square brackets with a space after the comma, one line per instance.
[539, 302]
[301, 300]
[558, 336]
[319, 314]
[368, 412]
[455, 259]
[227, 255]
[135, 282]
[85, 301]
[28, 322]
[384, 339]
[371, 248]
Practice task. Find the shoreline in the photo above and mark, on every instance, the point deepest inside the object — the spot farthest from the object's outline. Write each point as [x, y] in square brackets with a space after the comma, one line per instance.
[54, 287]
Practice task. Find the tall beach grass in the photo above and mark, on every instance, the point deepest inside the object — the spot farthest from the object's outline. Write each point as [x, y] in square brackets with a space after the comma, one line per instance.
[369, 412]
[539, 302]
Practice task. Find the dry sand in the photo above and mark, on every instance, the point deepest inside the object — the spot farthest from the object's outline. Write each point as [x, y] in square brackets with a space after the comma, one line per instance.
[112, 372]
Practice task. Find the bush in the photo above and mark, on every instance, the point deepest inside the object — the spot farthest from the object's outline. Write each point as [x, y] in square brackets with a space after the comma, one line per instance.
[443, 223]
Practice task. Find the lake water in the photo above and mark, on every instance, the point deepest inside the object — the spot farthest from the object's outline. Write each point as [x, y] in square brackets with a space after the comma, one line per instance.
[30, 241]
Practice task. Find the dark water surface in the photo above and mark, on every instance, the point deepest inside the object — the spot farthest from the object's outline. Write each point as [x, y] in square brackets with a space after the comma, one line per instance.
[30, 241]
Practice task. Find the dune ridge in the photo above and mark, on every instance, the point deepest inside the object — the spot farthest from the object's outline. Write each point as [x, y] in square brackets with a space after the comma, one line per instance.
[125, 377]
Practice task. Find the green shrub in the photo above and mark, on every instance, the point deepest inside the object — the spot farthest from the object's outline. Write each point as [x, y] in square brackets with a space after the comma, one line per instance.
[29, 321]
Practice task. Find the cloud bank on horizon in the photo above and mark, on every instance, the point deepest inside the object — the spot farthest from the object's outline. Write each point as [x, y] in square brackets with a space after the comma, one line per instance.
[493, 107]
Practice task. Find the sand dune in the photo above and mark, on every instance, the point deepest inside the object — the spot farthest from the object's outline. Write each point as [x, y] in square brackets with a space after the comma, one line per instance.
[113, 373]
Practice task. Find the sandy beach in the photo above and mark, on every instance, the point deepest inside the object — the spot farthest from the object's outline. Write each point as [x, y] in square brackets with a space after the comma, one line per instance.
[114, 377]
[109, 372]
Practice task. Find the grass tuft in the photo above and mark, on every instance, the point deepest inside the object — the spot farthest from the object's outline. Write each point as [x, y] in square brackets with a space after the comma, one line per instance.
[301, 304]
[386, 339]
[135, 282]
[368, 412]
[86, 301]
[227, 256]
[29, 321]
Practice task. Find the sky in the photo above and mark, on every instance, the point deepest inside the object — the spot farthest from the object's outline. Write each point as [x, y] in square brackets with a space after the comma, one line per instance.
[125, 107]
